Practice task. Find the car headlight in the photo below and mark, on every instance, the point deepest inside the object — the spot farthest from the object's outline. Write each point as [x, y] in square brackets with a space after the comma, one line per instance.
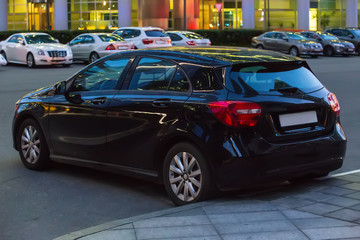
[338, 45]
[41, 52]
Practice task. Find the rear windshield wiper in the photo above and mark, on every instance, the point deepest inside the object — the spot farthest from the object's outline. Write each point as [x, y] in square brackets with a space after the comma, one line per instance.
[286, 90]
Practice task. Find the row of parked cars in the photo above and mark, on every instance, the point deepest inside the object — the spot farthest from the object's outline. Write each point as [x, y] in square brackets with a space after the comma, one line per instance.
[314, 43]
[42, 49]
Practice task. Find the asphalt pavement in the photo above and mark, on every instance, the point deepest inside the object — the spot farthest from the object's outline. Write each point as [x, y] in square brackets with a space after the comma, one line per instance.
[45, 205]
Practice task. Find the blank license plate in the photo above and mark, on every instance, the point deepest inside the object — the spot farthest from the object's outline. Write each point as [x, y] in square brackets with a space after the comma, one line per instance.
[160, 42]
[293, 119]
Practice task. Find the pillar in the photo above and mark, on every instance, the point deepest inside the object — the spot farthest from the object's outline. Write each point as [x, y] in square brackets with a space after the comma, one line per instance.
[155, 13]
[352, 13]
[3, 15]
[303, 7]
[192, 14]
[248, 14]
[124, 13]
[60, 15]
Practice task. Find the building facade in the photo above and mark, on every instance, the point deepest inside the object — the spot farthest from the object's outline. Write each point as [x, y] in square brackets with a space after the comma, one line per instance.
[37, 15]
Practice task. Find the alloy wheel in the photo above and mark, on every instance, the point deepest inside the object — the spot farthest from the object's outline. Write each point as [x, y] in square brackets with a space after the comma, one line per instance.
[30, 144]
[293, 52]
[94, 57]
[30, 60]
[185, 176]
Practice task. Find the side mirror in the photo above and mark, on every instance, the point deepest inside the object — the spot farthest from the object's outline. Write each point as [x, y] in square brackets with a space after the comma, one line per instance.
[60, 88]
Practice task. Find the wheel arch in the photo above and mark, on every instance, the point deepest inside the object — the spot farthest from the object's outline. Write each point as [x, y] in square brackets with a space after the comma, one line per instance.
[19, 120]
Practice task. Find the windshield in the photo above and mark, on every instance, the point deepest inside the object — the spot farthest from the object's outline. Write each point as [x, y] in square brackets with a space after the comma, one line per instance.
[295, 36]
[38, 39]
[356, 32]
[155, 33]
[193, 36]
[268, 78]
[328, 37]
[110, 38]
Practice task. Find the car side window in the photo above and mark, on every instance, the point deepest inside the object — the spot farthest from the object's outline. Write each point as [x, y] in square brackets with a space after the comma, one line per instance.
[78, 40]
[348, 34]
[152, 74]
[179, 82]
[205, 79]
[88, 39]
[174, 37]
[269, 35]
[19, 39]
[130, 33]
[337, 32]
[102, 76]
[279, 36]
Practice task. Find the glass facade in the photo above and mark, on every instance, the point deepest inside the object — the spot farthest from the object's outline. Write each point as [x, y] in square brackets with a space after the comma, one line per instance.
[103, 14]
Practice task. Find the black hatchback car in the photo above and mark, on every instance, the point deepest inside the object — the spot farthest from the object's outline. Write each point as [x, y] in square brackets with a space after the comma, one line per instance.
[196, 119]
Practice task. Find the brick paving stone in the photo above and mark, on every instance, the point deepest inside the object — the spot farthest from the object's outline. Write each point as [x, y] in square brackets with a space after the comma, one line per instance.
[239, 207]
[320, 223]
[342, 201]
[315, 196]
[319, 208]
[337, 190]
[245, 217]
[294, 214]
[345, 214]
[172, 221]
[292, 202]
[350, 178]
[355, 207]
[191, 238]
[126, 226]
[173, 232]
[192, 212]
[264, 226]
[335, 182]
[354, 186]
[355, 195]
[333, 233]
[286, 235]
[128, 234]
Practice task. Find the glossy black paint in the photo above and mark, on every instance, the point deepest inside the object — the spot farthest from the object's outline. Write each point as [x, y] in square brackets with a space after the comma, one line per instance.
[130, 131]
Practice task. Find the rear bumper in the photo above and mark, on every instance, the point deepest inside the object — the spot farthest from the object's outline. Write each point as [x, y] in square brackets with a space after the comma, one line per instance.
[261, 161]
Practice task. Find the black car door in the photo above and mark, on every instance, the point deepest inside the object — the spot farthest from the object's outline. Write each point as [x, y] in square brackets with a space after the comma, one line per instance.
[77, 119]
[143, 112]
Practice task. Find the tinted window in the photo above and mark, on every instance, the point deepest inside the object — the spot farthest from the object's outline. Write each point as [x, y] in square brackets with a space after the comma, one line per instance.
[155, 33]
[179, 82]
[130, 33]
[110, 38]
[38, 39]
[193, 36]
[269, 78]
[19, 39]
[279, 36]
[102, 76]
[205, 79]
[152, 74]
[174, 37]
[295, 36]
[88, 39]
[337, 32]
[269, 35]
[356, 32]
[77, 40]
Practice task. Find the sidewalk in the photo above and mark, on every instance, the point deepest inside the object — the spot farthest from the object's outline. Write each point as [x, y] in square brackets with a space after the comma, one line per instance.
[321, 209]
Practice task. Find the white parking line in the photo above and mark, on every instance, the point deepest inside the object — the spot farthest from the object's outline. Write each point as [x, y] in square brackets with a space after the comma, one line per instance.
[344, 173]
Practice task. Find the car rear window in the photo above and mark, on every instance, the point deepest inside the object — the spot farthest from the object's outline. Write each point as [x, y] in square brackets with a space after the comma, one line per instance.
[110, 38]
[155, 33]
[193, 36]
[270, 78]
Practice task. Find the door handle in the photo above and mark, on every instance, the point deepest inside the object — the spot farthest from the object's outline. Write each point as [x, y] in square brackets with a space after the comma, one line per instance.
[163, 102]
[100, 100]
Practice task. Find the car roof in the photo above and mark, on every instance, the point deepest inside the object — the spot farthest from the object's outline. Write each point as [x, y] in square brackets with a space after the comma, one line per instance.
[33, 33]
[181, 32]
[142, 28]
[217, 56]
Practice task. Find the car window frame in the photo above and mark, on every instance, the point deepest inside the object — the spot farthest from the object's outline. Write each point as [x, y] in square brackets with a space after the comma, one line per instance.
[13, 36]
[126, 82]
[122, 77]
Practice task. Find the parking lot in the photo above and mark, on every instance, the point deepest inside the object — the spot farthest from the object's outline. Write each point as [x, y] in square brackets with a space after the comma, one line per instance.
[65, 199]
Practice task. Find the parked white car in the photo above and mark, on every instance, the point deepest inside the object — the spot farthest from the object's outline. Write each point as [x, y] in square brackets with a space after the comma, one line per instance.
[185, 38]
[144, 37]
[2, 60]
[91, 46]
[35, 49]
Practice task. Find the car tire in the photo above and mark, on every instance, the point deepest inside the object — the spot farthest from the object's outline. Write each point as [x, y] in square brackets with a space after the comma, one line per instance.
[32, 146]
[259, 46]
[4, 55]
[329, 51]
[30, 61]
[314, 56]
[186, 174]
[294, 51]
[93, 57]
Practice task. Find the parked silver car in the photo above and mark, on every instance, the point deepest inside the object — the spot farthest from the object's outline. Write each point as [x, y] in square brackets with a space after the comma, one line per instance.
[91, 46]
[332, 45]
[186, 38]
[287, 42]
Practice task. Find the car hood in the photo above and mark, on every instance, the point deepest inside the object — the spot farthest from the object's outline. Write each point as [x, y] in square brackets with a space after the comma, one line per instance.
[41, 92]
[50, 46]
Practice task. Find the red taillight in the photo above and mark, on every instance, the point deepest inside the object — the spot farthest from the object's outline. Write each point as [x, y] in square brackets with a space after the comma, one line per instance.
[132, 46]
[191, 43]
[110, 47]
[236, 113]
[334, 103]
[169, 41]
[209, 42]
[147, 41]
